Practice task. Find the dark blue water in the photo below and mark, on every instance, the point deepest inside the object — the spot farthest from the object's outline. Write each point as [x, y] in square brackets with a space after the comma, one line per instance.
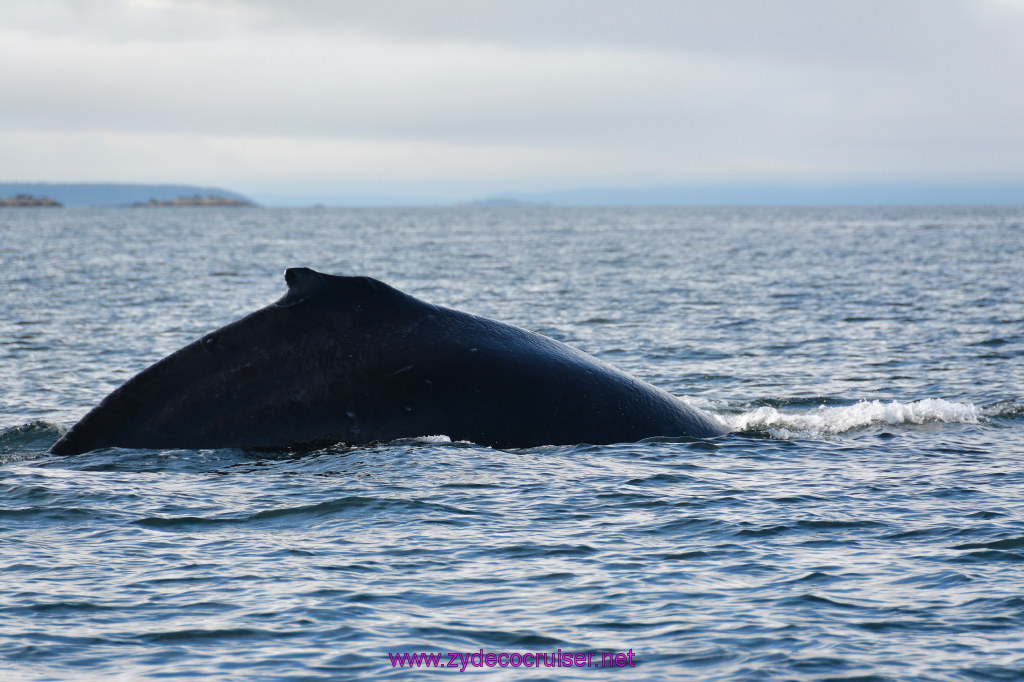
[863, 519]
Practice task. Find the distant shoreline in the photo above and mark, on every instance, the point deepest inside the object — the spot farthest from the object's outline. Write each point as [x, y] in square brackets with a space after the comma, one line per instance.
[195, 200]
[84, 195]
[29, 201]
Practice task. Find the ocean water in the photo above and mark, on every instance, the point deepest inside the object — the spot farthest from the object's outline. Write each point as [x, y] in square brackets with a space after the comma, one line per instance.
[862, 520]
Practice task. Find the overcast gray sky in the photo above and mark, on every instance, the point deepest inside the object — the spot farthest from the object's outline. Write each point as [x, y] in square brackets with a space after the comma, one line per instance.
[456, 99]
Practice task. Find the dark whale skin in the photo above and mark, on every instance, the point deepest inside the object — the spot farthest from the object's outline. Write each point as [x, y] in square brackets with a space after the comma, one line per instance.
[353, 360]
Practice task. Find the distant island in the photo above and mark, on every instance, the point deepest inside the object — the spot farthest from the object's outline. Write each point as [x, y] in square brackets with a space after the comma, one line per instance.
[195, 200]
[82, 195]
[501, 202]
[29, 200]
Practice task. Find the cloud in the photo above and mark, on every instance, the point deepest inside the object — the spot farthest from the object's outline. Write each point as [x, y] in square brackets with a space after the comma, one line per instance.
[520, 95]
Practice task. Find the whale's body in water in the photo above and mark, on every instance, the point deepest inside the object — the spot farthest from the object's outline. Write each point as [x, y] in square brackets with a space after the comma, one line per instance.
[353, 360]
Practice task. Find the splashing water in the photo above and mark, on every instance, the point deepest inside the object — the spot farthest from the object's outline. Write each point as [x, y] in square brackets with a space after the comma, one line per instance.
[830, 420]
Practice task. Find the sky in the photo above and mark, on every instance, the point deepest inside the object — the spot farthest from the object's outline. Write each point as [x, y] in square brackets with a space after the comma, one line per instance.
[334, 101]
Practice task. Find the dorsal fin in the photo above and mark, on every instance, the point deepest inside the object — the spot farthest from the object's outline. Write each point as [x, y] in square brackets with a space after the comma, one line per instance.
[302, 283]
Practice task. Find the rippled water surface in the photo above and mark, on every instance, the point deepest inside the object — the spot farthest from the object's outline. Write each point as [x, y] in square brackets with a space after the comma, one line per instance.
[862, 520]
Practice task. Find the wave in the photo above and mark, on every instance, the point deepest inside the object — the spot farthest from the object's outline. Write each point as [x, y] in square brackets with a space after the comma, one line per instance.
[307, 513]
[831, 420]
[28, 440]
[785, 419]
[1004, 409]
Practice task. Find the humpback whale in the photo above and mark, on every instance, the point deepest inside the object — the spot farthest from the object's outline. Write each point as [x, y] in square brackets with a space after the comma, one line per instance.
[352, 360]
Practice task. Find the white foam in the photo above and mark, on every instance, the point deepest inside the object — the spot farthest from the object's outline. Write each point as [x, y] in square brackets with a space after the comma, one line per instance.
[831, 420]
[432, 439]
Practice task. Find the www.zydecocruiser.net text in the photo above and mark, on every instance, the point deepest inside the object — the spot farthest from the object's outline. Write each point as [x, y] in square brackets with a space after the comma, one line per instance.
[461, 661]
